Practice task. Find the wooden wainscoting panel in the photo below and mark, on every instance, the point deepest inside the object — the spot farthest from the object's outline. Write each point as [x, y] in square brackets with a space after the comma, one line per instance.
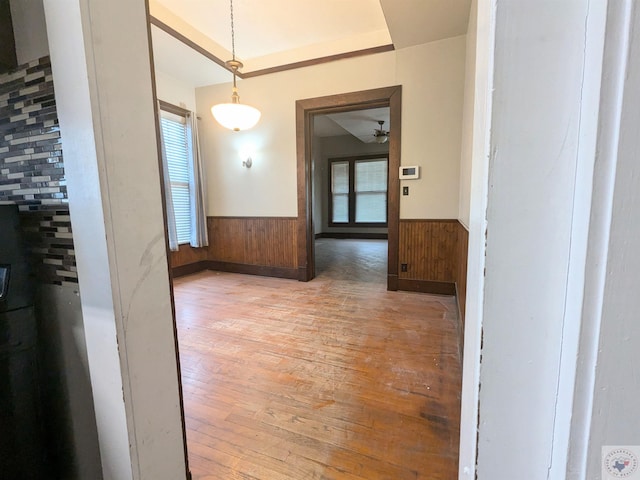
[461, 273]
[429, 248]
[262, 241]
[226, 239]
[188, 260]
[435, 252]
[186, 255]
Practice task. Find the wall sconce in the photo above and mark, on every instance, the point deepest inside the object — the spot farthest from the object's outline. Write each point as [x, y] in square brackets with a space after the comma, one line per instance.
[247, 163]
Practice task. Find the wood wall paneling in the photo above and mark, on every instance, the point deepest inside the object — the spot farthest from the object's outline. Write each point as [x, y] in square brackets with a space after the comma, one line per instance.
[461, 274]
[435, 252]
[186, 255]
[461, 281]
[252, 245]
[429, 248]
[187, 260]
[262, 241]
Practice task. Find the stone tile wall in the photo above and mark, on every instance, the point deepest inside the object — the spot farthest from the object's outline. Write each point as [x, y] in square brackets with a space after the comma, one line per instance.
[32, 168]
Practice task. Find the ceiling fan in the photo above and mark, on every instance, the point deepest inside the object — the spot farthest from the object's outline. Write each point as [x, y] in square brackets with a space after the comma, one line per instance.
[381, 135]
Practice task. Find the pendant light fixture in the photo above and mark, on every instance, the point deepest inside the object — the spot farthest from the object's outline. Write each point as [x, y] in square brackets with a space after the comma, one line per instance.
[235, 115]
[381, 135]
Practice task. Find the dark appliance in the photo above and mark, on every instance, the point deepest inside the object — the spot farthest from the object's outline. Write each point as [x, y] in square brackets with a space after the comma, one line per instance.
[22, 453]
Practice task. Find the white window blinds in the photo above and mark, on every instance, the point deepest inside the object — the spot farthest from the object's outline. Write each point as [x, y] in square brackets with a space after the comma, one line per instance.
[359, 191]
[174, 133]
[371, 191]
[340, 191]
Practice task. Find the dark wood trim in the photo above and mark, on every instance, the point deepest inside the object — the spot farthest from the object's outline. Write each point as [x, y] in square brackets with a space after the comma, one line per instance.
[393, 219]
[189, 268]
[349, 102]
[302, 274]
[319, 60]
[305, 111]
[263, 270]
[171, 108]
[427, 286]
[188, 42]
[354, 235]
[305, 247]
[176, 346]
[392, 282]
[461, 281]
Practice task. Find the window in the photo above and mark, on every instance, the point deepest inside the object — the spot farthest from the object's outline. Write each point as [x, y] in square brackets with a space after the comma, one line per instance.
[174, 134]
[358, 191]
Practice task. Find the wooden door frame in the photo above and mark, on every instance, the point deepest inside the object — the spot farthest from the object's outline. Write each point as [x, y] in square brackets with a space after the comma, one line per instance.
[305, 111]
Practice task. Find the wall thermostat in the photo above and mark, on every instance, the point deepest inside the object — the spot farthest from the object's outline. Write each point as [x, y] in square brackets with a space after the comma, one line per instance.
[409, 173]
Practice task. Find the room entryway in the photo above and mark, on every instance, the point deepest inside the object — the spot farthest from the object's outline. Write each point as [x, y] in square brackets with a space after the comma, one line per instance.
[307, 111]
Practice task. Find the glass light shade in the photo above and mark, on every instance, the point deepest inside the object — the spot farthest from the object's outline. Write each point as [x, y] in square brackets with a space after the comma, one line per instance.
[381, 138]
[235, 116]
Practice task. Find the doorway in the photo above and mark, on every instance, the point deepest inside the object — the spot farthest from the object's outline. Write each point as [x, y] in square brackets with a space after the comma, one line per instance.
[350, 167]
[306, 112]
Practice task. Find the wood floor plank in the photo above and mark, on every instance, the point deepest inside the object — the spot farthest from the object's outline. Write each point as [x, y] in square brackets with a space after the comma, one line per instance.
[336, 378]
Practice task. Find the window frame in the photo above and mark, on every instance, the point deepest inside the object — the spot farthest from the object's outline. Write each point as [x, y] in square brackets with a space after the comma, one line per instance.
[352, 193]
[166, 108]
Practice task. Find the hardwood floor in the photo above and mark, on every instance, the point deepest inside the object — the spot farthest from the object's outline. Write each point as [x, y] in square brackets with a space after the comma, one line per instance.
[331, 379]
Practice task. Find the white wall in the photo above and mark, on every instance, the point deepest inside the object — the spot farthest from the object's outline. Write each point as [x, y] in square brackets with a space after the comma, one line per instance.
[174, 91]
[479, 188]
[607, 410]
[432, 77]
[534, 236]
[29, 30]
[467, 117]
[108, 129]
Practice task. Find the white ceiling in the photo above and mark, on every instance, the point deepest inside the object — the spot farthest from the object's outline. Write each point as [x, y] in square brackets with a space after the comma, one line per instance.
[414, 22]
[265, 27]
[272, 33]
[278, 32]
[359, 123]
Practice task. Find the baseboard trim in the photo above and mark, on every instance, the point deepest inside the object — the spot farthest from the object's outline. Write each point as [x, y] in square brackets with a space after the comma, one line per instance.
[188, 269]
[302, 274]
[392, 282]
[427, 286]
[262, 270]
[357, 236]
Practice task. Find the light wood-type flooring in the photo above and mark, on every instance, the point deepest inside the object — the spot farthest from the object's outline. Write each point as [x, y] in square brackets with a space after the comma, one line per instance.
[336, 378]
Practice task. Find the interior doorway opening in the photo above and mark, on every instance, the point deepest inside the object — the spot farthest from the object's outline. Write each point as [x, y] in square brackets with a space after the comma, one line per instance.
[316, 110]
[350, 170]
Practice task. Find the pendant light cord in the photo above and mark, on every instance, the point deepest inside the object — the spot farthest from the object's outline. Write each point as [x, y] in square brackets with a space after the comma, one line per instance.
[233, 46]
[234, 115]
[233, 34]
